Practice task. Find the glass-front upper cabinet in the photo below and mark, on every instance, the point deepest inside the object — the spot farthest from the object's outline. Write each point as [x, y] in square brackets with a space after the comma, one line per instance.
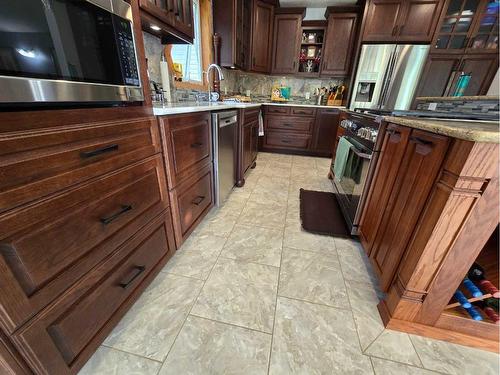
[485, 34]
[456, 26]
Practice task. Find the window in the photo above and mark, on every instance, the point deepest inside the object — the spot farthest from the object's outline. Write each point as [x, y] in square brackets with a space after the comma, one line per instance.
[190, 55]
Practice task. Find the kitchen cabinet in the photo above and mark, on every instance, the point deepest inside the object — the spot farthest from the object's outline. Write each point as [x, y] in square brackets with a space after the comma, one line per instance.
[325, 130]
[468, 26]
[262, 36]
[173, 17]
[409, 176]
[188, 154]
[340, 41]
[395, 21]
[441, 72]
[248, 142]
[233, 23]
[86, 226]
[287, 38]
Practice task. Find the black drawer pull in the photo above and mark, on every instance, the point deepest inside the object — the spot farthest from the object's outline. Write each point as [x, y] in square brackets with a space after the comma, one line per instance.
[394, 135]
[285, 141]
[303, 112]
[288, 125]
[197, 201]
[99, 151]
[109, 219]
[137, 272]
[196, 145]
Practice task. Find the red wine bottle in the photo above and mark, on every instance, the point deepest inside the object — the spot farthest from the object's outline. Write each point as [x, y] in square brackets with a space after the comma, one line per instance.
[476, 274]
[492, 302]
[491, 313]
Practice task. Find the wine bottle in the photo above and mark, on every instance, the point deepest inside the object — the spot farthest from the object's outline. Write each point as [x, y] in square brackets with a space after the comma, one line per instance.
[476, 273]
[472, 288]
[474, 314]
[460, 297]
[490, 313]
[492, 302]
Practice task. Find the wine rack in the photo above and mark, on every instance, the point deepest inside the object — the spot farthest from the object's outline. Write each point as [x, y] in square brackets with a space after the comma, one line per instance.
[488, 259]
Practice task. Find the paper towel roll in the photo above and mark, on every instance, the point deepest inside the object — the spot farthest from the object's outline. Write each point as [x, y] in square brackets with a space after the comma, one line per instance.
[165, 80]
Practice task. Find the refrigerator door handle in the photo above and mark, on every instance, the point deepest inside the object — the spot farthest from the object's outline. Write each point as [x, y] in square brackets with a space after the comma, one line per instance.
[384, 81]
[388, 79]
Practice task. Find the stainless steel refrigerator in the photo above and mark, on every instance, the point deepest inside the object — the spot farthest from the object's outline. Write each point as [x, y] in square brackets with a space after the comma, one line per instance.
[388, 75]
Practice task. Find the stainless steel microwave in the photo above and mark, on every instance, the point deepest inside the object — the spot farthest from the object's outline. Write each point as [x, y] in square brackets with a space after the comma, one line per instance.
[72, 51]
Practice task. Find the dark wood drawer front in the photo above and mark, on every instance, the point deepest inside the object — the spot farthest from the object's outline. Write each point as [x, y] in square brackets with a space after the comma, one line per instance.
[41, 162]
[189, 144]
[290, 123]
[194, 200]
[59, 337]
[303, 111]
[251, 115]
[53, 243]
[283, 110]
[287, 140]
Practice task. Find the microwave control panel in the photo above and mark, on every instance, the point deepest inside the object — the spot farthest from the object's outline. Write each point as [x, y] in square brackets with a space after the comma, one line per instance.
[126, 51]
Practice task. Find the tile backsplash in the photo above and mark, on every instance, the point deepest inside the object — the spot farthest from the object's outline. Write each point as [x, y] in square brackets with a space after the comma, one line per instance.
[260, 84]
[488, 105]
[236, 81]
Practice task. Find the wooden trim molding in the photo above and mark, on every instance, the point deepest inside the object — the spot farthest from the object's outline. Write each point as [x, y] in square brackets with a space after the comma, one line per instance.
[206, 29]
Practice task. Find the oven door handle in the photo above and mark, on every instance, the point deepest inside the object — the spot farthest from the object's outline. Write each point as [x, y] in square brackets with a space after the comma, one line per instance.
[361, 154]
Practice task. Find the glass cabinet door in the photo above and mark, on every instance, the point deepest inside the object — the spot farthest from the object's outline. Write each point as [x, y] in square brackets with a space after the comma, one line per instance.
[485, 35]
[457, 25]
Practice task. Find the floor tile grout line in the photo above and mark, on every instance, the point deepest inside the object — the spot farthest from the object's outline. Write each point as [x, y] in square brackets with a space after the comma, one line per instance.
[191, 307]
[130, 353]
[416, 351]
[230, 324]
[249, 261]
[371, 363]
[350, 304]
[406, 364]
[313, 303]
[277, 287]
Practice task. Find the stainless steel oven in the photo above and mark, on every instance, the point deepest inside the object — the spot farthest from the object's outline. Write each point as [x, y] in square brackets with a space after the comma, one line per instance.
[67, 51]
[360, 154]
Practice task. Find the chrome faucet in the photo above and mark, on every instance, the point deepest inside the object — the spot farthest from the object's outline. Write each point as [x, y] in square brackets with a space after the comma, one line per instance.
[221, 77]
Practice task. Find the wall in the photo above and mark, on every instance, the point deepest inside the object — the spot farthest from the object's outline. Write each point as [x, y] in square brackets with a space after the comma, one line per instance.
[154, 49]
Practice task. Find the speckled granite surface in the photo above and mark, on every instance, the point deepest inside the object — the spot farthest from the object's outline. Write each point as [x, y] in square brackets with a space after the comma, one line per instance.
[477, 131]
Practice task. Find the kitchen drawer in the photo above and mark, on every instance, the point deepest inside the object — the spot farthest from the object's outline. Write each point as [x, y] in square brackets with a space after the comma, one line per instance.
[282, 110]
[40, 162]
[287, 140]
[60, 339]
[190, 201]
[48, 246]
[188, 144]
[290, 124]
[251, 114]
[303, 111]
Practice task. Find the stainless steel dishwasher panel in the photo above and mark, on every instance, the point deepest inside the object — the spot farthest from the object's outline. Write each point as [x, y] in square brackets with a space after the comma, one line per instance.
[225, 143]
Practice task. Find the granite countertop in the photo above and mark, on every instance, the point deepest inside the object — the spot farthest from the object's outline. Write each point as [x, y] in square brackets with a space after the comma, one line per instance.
[469, 130]
[455, 98]
[189, 107]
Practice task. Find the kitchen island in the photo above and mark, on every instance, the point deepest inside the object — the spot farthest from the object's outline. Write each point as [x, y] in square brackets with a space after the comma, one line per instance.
[431, 213]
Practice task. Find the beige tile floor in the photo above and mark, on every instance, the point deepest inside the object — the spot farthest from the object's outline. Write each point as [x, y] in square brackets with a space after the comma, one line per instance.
[251, 293]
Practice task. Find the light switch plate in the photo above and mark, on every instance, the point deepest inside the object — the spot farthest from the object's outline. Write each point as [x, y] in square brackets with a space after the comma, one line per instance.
[432, 106]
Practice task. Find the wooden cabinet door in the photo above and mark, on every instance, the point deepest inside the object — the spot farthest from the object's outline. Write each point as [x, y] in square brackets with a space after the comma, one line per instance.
[339, 44]
[382, 20]
[247, 146]
[287, 38]
[482, 69]
[161, 9]
[418, 22]
[415, 178]
[484, 36]
[255, 140]
[262, 36]
[438, 75]
[391, 155]
[325, 130]
[183, 17]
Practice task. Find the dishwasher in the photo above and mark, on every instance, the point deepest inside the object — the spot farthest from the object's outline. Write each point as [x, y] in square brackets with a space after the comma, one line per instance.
[225, 125]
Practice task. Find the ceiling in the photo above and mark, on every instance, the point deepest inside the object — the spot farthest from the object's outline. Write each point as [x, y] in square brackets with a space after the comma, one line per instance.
[315, 3]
